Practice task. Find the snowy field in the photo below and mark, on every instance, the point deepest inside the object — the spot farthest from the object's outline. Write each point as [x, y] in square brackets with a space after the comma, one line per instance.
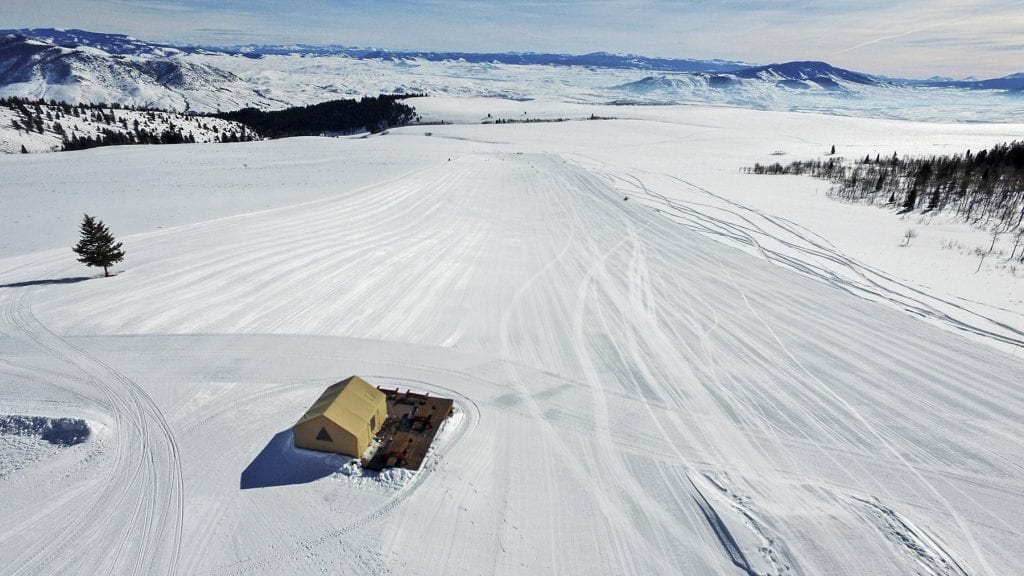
[723, 374]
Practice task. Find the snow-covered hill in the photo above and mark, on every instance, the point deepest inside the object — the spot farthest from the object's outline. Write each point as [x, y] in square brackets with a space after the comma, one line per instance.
[792, 75]
[804, 74]
[157, 77]
[43, 127]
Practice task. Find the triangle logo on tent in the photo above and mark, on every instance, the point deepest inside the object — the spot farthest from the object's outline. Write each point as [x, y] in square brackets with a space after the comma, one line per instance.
[323, 435]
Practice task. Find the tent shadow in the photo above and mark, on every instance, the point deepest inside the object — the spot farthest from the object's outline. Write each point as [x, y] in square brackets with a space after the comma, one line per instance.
[280, 463]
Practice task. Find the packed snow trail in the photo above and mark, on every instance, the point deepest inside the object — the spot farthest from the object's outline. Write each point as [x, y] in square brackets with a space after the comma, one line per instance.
[641, 399]
[129, 520]
[776, 240]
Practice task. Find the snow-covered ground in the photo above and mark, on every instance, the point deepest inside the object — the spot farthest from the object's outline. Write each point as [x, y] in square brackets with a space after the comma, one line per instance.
[718, 375]
[685, 161]
[141, 188]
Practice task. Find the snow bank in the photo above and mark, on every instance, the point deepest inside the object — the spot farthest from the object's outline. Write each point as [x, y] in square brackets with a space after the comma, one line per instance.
[25, 440]
[56, 431]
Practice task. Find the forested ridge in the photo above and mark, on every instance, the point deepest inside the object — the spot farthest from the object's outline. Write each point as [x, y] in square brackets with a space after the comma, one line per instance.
[81, 126]
[91, 125]
[370, 113]
[984, 189]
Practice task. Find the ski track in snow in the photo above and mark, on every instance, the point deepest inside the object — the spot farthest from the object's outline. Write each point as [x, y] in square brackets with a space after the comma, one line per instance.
[776, 239]
[933, 556]
[145, 474]
[640, 399]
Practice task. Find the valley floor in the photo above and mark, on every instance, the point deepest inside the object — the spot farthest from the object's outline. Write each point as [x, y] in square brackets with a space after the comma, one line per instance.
[680, 382]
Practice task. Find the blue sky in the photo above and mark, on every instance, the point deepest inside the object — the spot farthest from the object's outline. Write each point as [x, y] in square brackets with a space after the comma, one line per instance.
[913, 38]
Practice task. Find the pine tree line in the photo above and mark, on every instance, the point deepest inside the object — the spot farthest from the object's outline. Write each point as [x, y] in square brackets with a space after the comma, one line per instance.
[108, 137]
[171, 135]
[13, 101]
[372, 113]
[984, 189]
[35, 118]
[526, 120]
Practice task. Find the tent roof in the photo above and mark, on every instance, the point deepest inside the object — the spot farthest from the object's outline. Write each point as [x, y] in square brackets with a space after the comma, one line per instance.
[350, 397]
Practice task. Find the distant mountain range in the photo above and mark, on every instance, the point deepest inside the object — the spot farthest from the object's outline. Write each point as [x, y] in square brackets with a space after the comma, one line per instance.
[594, 59]
[81, 66]
[1011, 83]
[120, 44]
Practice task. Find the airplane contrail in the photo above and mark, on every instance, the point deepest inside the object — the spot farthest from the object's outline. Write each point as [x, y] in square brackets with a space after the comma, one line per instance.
[913, 31]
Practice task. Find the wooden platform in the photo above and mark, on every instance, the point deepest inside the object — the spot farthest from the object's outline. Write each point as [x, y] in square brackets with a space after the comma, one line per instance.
[413, 421]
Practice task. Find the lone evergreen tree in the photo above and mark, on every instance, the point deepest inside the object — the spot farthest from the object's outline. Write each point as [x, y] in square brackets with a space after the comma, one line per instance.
[97, 246]
[911, 200]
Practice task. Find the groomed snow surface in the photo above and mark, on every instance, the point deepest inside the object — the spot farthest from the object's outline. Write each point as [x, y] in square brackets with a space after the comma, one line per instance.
[684, 382]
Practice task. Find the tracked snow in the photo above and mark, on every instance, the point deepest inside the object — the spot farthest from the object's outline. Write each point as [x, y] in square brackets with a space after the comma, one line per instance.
[636, 394]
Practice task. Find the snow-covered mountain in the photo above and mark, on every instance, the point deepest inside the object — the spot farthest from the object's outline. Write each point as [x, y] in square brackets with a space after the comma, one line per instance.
[802, 75]
[119, 44]
[79, 66]
[36, 68]
[750, 82]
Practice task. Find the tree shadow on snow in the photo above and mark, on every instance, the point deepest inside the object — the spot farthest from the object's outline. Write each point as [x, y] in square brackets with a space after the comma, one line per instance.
[70, 280]
[280, 463]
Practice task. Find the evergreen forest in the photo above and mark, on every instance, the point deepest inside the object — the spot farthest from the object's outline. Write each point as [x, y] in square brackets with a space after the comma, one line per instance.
[370, 113]
[984, 188]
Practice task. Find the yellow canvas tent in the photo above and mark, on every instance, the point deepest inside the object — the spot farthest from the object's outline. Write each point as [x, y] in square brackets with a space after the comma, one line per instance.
[344, 419]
